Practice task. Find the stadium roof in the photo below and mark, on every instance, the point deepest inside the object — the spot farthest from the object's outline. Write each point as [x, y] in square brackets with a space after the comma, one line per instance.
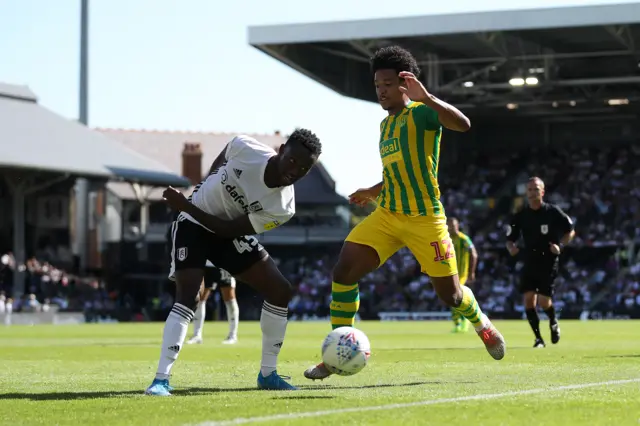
[166, 147]
[32, 137]
[584, 58]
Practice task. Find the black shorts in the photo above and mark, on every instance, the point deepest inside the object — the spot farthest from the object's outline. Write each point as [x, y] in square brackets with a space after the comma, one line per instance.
[539, 279]
[215, 277]
[192, 246]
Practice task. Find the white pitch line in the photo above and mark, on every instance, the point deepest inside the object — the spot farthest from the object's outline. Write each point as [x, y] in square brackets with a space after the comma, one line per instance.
[307, 414]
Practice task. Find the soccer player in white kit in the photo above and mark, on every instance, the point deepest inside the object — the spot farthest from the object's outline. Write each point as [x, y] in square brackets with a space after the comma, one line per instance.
[249, 191]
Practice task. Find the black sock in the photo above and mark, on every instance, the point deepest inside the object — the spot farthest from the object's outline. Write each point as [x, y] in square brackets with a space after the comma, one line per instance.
[551, 313]
[534, 322]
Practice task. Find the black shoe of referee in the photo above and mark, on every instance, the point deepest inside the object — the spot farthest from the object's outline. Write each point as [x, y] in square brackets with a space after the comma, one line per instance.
[555, 332]
[539, 343]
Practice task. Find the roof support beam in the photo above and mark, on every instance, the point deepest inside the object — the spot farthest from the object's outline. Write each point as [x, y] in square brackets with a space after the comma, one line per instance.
[632, 80]
[341, 54]
[473, 74]
[494, 40]
[556, 56]
[622, 34]
[361, 48]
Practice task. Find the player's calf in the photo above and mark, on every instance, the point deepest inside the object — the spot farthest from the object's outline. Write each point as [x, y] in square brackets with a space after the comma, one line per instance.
[176, 327]
[355, 261]
[265, 277]
[464, 301]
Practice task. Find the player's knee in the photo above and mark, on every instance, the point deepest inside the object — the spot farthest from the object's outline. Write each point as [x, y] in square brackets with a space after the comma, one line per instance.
[342, 273]
[281, 294]
[356, 260]
[188, 289]
[452, 299]
[188, 298]
[346, 272]
[544, 302]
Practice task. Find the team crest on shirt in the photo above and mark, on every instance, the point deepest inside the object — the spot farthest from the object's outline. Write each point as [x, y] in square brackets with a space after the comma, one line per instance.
[182, 254]
[544, 229]
[402, 121]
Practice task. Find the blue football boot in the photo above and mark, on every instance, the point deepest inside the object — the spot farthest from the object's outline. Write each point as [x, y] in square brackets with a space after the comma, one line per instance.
[159, 388]
[274, 381]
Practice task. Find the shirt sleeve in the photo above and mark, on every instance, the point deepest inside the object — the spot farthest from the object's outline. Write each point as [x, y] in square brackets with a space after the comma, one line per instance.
[514, 229]
[468, 243]
[263, 221]
[235, 147]
[565, 222]
[426, 116]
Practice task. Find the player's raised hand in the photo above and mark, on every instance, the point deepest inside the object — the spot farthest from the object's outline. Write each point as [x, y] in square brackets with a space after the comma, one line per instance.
[415, 89]
[513, 248]
[175, 199]
[363, 196]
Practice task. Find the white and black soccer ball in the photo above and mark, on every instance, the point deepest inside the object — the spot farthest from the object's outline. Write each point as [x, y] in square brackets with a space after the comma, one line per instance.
[345, 351]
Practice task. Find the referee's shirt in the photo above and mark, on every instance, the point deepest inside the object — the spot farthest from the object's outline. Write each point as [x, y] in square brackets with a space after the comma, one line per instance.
[539, 229]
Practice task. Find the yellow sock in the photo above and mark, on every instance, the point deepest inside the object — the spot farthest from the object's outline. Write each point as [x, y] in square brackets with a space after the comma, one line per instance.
[344, 304]
[456, 317]
[469, 308]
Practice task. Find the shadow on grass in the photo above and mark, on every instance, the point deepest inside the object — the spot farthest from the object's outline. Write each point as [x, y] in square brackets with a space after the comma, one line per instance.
[303, 397]
[70, 396]
[614, 356]
[444, 349]
[380, 385]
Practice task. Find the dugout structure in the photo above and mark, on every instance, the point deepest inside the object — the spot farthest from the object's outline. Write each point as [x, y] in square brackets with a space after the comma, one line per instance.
[578, 62]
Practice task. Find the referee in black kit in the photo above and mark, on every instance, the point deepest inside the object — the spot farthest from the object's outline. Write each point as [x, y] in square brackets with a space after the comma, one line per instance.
[545, 229]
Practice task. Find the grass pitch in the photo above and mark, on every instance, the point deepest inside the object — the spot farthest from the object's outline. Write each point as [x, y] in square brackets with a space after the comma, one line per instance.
[96, 374]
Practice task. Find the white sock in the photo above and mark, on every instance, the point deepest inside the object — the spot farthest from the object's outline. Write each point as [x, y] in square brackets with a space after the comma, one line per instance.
[233, 316]
[273, 323]
[175, 331]
[198, 319]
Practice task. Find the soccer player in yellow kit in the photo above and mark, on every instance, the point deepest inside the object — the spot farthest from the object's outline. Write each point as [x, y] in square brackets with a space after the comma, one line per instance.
[467, 260]
[409, 211]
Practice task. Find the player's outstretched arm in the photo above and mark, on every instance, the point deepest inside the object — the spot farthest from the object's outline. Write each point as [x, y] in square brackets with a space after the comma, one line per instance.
[448, 115]
[225, 228]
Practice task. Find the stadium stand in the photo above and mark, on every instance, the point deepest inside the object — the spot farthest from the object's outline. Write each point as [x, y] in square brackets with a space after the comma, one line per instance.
[577, 128]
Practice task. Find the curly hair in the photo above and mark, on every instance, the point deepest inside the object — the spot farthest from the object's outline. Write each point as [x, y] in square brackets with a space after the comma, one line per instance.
[308, 139]
[394, 58]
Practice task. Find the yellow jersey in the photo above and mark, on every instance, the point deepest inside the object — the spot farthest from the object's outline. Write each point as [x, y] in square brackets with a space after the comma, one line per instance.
[410, 150]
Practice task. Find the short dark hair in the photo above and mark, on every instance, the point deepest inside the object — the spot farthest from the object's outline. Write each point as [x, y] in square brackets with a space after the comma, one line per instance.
[306, 138]
[537, 180]
[394, 58]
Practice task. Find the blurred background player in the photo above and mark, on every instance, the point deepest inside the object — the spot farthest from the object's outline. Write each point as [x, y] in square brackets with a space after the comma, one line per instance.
[467, 258]
[545, 229]
[409, 212]
[217, 278]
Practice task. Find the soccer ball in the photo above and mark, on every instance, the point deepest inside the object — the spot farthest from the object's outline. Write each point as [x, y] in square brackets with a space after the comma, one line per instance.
[345, 351]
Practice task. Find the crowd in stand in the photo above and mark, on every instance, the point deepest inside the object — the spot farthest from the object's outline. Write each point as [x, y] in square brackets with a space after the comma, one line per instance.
[47, 285]
[599, 188]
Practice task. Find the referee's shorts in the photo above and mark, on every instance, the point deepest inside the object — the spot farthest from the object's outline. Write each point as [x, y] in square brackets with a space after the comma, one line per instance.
[539, 275]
